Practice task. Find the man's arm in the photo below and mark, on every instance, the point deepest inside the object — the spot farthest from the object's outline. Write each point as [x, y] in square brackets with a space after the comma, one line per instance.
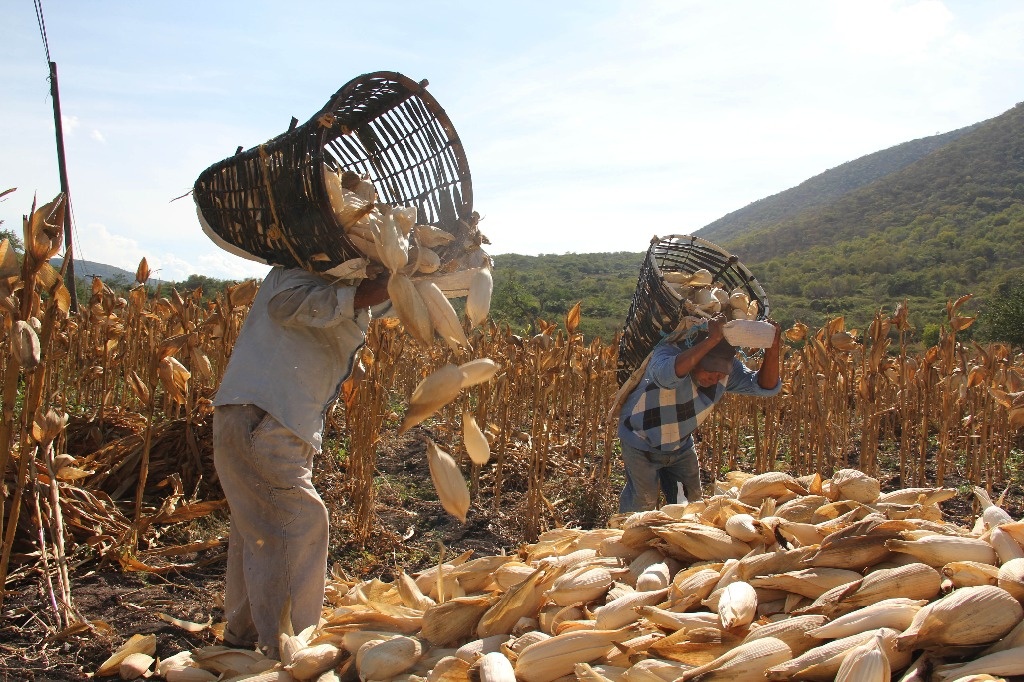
[371, 292]
[770, 371]
[687, 361]
[311, 301]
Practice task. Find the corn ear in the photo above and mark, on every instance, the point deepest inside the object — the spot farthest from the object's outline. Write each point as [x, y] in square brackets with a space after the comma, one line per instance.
[478, 300]
[738, 605]
[136, 644]
[552, 658]
[495, 667]
[939, 550]
[448, 481]
[897, 613]
[410, 308]
[1008, 662]
[970, 573]
[1011, 578]
[309, 662]
[865, 663]
[443, 316]
[478, 371]
[431, 394]
[622, 611]
[189, 675]
[477, 447]
[454, 620]
[135, 665]
[744, 663]
[967, 616]
[382, 660]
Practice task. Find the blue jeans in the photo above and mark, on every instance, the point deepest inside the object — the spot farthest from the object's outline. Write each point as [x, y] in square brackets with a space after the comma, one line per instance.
[675, 472]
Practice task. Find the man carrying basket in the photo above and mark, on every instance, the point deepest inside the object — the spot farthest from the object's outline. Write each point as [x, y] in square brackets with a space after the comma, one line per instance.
[680, 386]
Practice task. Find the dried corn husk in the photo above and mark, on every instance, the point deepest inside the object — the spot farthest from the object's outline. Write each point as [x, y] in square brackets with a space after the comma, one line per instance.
[136, 644]
[737, 605]
[443, 316]
[744, 663]
[939, 550]
[448, 481]
[431, 394]
[969, 615]
[478, 371]
[384, 659]
[552, 658]
[477, 447]
[866, 663]
[897, 613]
[495, 667]
[1011, 578]
[478, 300]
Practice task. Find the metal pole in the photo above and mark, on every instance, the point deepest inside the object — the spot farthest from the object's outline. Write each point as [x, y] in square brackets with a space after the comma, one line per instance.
[69, 276]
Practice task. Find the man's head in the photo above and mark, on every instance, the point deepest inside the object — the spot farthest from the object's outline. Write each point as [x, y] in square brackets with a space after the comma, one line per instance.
[715, 365]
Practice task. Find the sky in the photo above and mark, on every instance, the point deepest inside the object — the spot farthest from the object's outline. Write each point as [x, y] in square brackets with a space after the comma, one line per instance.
[589, 125]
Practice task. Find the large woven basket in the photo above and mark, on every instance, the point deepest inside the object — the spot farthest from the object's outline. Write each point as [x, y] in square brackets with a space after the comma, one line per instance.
[270, 203]
[656, 308]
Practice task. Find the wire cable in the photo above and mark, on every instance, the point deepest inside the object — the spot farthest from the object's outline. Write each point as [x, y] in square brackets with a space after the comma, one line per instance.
[42, 28]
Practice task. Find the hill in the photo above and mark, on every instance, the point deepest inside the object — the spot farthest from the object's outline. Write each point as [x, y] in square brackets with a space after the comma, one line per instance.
[926, 221]
[87, 269]
[825, 188]
[548, 286]
[948, 224]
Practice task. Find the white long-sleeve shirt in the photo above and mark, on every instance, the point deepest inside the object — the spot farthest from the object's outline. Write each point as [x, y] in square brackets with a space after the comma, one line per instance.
[296, 347]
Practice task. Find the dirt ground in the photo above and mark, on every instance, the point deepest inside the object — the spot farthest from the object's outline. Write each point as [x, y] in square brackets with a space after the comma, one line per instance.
[410, 529]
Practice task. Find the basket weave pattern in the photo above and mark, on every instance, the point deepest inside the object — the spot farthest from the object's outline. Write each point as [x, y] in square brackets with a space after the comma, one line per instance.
[656, 309]
[270, 201]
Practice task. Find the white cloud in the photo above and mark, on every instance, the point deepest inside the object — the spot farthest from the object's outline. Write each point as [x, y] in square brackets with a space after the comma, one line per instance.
[118, 250]
[69, 124]
[896, 28]
[98, 136]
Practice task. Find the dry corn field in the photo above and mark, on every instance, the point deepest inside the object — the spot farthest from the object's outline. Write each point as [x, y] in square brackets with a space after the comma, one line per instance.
[833, 555]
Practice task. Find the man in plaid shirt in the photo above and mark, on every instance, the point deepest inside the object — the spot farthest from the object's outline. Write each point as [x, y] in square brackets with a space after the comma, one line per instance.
[679, 387]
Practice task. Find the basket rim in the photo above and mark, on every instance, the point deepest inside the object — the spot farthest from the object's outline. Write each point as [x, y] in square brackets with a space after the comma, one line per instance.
[681, 238]
[413, 89]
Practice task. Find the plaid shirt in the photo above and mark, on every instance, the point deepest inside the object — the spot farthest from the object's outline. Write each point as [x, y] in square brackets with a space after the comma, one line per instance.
[664, 410]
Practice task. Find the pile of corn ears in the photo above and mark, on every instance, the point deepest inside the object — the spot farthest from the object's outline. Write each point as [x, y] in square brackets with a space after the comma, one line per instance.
[771, 578]
[420, 282]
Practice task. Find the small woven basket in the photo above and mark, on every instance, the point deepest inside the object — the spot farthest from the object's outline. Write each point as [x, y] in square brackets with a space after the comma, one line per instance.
[270, 202]
[656, 308]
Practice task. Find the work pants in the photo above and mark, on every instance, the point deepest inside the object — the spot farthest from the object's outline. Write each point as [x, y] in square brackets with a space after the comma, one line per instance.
[676, 473]
[277, 548]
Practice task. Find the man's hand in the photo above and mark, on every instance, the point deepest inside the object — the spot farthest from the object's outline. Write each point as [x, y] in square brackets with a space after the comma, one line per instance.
[371, 292]
[716, 327]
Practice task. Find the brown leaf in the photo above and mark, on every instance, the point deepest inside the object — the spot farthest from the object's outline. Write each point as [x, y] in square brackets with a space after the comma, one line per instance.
[961, 323]
[242, 294]
[139, 387]
[9, 265]
[142, 273]
[44, 231]
[572, 318]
